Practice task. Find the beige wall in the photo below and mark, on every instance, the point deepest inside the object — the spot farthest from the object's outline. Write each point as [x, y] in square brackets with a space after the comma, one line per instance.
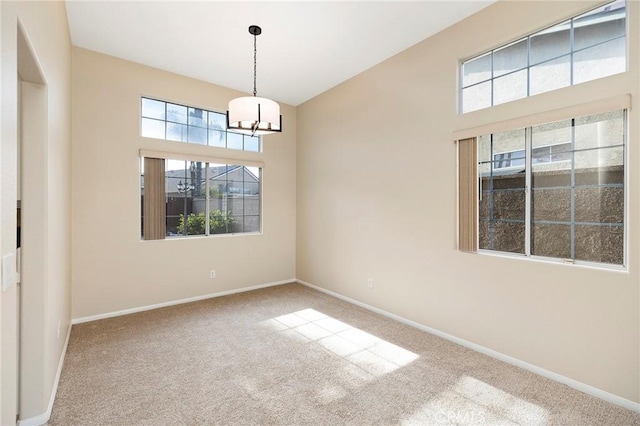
[112, 268]
[376, 176]
[46, 302]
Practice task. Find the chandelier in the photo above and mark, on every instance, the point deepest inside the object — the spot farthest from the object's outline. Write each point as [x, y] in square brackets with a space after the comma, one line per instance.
[253, 115]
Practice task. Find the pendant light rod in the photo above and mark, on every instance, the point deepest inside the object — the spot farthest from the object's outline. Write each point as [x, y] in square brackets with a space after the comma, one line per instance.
[253, 115]
[255, 31]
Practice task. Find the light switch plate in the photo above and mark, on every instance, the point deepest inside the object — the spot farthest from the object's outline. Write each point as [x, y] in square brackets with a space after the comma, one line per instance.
[8, 271]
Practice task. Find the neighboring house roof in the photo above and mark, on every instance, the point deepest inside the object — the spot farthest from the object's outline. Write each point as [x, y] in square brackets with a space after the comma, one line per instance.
[216, 174]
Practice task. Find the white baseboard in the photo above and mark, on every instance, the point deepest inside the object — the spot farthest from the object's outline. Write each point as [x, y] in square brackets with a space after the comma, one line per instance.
[177, 302]
[582, 387]
[43, 418]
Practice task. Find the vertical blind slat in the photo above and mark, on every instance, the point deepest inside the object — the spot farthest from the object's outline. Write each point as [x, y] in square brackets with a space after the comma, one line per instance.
[467, 195]
[154, 211]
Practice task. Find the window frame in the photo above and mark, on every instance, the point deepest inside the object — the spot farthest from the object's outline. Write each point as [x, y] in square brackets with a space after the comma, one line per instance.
[529, 65]
[166, 121]
[181, 156]
[618, 102]
[528, 211]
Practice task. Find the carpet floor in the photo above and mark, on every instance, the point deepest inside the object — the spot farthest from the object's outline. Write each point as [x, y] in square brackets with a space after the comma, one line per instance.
[289, 355]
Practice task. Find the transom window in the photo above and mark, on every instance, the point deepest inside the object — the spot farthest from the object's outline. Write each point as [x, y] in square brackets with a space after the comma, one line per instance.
[543, 196]
[174, 122]
[584, 48]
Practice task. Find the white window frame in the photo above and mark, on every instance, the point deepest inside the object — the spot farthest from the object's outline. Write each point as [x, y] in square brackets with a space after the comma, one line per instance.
[181, 156]
[595, 107]
[528, 66]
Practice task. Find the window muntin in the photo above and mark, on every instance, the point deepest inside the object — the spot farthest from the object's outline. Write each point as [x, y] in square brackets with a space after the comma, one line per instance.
[214, 198]
[174, 122]
[584, 48]
[575, 208]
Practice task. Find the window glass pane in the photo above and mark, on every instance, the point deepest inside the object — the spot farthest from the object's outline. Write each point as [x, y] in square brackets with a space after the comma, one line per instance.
[197, 117]
[217, 138]
[600, 243]
[217, 121]
[600, 205]
[251, 224]
[152, 128]
[600, 130]
[176, 132]
[561, 152]
[153, 109]
[177, 113]
[599, 160]
[502, 204]
[221, 221]
[599, 61]
[510, 87]
[544, 139]
[181, 184]
[550, 75]
[509, 141]
[551, 240]
[550, 43]
[597, 26]
[551, 133]
[476, 97]
[508, 237]
[551, 204]
[234, 140]
[476, 70]
[484, 148]
[252, 143]
[510, 58]
[197, 135]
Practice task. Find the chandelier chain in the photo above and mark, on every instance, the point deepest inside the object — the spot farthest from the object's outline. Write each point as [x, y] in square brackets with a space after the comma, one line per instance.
[255, 63]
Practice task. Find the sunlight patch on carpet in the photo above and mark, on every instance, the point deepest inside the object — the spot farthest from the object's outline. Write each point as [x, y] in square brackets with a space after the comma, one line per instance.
[474, 402]
[370, 353]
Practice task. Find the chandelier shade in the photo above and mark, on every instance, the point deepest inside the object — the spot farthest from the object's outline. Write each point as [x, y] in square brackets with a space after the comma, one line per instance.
[253, 115]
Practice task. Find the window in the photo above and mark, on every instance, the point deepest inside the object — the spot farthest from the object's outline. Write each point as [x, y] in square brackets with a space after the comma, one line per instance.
[173, 122]
[544, 154]
[188, 198]
[584, 48]
[540, 195]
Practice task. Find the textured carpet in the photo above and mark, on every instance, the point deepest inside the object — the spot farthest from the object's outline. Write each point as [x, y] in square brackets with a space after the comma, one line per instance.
[289, 355]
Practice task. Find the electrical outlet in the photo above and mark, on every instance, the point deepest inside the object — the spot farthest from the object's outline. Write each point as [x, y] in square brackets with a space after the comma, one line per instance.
[370, 283]
[212, 274]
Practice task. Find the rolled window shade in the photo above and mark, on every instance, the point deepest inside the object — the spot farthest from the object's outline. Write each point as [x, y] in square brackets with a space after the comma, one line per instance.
[468, 195]
[154, 210]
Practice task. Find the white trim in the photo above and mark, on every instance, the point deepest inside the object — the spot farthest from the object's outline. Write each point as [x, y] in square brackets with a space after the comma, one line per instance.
[177, 302]
[186, 156]
[596, 107]
[582, 387]
[43, 418]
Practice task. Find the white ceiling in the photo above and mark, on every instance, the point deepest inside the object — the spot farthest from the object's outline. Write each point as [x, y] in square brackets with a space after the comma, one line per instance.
[306, 47]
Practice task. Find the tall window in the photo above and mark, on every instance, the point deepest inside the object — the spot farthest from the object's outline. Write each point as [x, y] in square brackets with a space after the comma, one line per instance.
[586, 47]
[187, 198]
[558, 193]
[165, 120]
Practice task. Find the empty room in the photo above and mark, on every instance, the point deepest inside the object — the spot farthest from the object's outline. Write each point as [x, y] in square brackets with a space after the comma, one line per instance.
[320, 212]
